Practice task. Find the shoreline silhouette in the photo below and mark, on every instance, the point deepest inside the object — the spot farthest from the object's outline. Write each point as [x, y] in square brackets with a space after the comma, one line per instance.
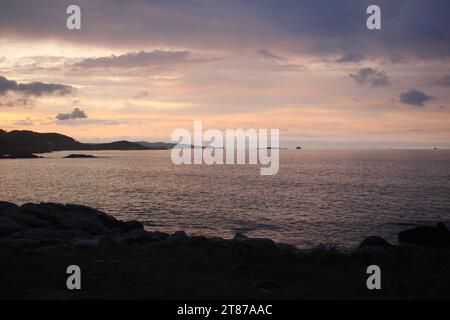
[130, 262]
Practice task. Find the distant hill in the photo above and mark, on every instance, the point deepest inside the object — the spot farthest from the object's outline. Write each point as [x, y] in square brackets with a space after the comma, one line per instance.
[157, 145]
[24, 142]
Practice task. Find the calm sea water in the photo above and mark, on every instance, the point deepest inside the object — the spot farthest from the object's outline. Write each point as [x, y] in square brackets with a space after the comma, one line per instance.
[329, 197]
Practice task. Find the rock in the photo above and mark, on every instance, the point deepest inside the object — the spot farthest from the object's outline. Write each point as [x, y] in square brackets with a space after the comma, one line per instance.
[139, 236]
[442, 227]
[7, 206]
[73, 217]
[285, 246]
[85, 243]
[70, 156]
[158, 236]
[438, 236]
[25, 218]
[107, 241]
[51, 212]
[90, 224]
[239, 237]
[19, 156]
[129, 226]
[374, 242]
[179, 236]
[42, 236]
[31, 238]
[107, 220]
[53, 225]
[259, 243]
[19, 244]
[9, 226]
[253, 242]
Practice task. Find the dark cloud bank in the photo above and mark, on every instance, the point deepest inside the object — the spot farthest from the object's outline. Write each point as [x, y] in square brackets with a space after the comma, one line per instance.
[411, 28]
[75, 114]
[134, 60]
[371, 77]
[415, 97]
[33, 88]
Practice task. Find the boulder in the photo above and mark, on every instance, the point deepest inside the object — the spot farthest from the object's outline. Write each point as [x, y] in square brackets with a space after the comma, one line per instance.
[107, 220]
[19, 156]
[9, 226]
[239, 237]
[25, 218]
[7, 206]
[51, 225]
[253, 242]
[285, 246]
[82, 156]
[51, 212]
[85, 243]
[374, 242]
[41, 236]
[139, 236]
[438, 236]
[178, 236]
[86, 223]
[260, 243]
[107, 241]
[128, 226]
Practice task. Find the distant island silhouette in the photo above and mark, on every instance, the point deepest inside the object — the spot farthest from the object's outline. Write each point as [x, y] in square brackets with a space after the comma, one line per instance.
[23, 144]
[82, 156]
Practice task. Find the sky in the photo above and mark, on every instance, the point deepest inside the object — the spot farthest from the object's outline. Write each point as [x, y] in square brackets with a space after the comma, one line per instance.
[139, 69]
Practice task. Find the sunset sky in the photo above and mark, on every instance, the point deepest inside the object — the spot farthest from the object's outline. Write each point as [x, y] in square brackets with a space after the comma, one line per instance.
[137, 70]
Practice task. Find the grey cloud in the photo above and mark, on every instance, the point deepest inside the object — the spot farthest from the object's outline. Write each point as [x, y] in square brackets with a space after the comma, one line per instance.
[142, 94]
[351, 58]
[26, 122]
[444, 81]
[279, 63]
[100, 122]
[75, 114]
[33, 88]
[133, 60]
[414, 28]
[371, 77]
[415, 97]
[21, 101]
[265, 54]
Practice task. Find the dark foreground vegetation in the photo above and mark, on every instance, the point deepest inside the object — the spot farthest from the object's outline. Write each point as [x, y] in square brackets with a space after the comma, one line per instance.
[121, 260]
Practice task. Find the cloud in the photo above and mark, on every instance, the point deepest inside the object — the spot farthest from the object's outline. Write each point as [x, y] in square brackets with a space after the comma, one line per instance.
[135, 59]
[21, 101]
[351, 58]
[265, 54]
[371, 77]
[75, 114]
[413, 28]
[415, 98]
[99, 122]
[141, 95]
[26, 122]
[33, 88]
[279, 63]
[444, 81]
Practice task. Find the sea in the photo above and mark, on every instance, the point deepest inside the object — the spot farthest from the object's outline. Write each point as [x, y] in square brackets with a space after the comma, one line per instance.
[318, 197]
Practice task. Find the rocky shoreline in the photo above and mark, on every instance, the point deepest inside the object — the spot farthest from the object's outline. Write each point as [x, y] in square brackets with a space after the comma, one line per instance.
[122, 260]
[59, 226]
